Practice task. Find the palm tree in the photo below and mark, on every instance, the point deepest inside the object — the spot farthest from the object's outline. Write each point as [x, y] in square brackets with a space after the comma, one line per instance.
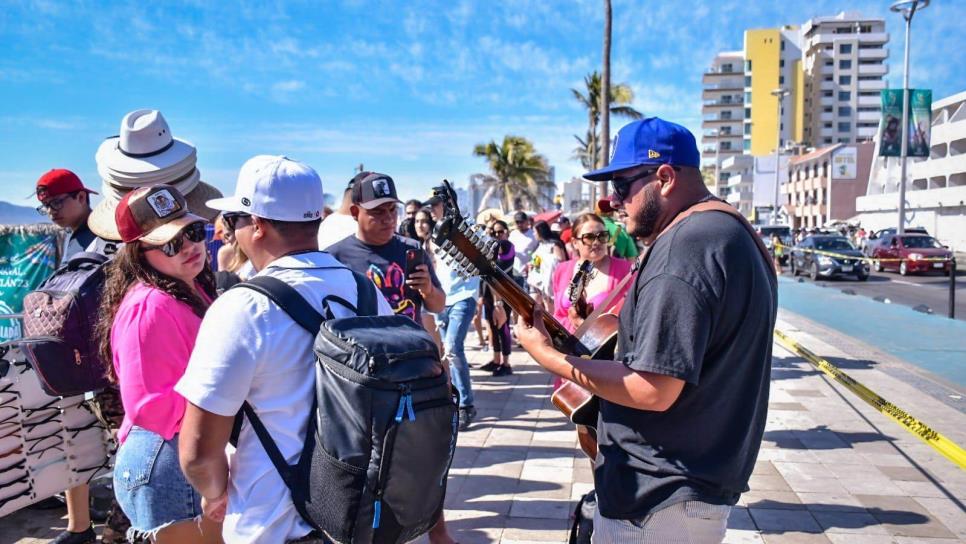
[582, 152]
[621, 95]
[518, 174]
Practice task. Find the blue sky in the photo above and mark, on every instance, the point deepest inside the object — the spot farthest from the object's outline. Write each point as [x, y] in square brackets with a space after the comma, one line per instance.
[406, 88]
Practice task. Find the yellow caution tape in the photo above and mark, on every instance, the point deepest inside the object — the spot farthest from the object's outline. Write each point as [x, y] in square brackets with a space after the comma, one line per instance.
[927, 434]
[869, 259]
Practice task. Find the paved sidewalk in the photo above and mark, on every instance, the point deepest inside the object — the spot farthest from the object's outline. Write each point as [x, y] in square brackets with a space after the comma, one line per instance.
[831, 468]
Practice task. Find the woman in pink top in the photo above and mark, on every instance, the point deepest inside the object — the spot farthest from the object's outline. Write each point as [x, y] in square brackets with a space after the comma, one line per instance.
[157, 289]
[591, 242]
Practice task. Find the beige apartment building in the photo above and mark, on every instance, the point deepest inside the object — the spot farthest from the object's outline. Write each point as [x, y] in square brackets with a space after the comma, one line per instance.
[843, 167]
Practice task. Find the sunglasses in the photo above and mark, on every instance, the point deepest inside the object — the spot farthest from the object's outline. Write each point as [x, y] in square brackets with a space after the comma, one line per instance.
[54, 204]
[589, 238]
[231, 219]
[497, 232]
[622, 186]
[194, 232]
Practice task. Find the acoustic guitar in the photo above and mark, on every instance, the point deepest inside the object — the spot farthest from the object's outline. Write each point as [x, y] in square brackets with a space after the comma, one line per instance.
[471, 253]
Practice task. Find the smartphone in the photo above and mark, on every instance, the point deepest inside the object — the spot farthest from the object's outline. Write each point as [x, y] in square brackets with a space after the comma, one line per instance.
[414, 257]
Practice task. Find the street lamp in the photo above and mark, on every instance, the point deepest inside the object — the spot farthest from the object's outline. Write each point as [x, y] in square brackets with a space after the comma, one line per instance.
[779, 93]
[907, 8]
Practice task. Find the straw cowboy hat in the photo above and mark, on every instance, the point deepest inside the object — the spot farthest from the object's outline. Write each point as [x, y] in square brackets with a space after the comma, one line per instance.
[142, 155]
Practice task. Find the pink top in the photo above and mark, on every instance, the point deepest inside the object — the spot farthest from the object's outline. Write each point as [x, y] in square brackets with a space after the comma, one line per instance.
[561, 281]
[152, 338]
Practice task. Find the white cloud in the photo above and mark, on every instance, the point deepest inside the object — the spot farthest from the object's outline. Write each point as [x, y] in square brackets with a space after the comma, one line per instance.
[289, 86]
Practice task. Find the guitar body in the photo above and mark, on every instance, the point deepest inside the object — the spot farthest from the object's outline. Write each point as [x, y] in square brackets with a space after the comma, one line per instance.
[578, 404]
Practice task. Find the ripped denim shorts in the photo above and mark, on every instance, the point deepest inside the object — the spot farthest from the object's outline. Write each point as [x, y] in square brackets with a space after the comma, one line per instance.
[149, 484]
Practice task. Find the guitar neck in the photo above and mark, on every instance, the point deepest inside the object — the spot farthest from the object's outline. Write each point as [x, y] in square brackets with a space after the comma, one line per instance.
[522, 304]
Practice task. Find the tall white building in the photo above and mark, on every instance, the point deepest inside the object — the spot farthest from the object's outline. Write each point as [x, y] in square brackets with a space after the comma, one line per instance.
[845, 69]
[723, 109]
[751, 182]
[936, 187]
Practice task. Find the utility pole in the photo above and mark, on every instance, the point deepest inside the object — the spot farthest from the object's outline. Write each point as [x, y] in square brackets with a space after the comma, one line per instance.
[907, 8]
[780, 94]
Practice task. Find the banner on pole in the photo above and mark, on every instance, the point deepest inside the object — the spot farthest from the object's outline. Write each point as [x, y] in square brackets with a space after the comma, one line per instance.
[28, 255]
[890, 131]
[920, 121]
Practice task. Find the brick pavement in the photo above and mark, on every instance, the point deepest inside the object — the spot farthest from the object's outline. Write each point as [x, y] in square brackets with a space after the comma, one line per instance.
[831, 469]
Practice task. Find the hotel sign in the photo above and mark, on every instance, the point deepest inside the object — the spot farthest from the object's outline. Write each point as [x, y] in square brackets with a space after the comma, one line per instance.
[844, 163]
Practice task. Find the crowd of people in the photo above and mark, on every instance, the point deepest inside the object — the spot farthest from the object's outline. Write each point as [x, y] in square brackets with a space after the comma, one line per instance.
[185, 351]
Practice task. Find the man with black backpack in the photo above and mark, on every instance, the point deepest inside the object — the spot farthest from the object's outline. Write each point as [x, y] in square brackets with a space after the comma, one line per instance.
[249, 350]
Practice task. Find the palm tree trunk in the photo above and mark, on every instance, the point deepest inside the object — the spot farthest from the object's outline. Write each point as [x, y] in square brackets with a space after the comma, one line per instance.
[605, 95]
[486, 198]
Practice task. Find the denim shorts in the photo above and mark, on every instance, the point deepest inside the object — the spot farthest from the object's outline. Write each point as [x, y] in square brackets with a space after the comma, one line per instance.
[149, 484]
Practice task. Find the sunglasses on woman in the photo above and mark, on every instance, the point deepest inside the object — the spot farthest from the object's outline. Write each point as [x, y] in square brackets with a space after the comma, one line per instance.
[602, 237]
[497, 232]
[194, 232]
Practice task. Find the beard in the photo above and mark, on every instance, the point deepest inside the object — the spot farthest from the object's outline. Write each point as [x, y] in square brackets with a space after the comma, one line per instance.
[645, 220]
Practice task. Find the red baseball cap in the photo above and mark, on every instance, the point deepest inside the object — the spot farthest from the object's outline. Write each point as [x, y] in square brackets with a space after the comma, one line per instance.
[604, 206]
[57, 182]
[153, 214]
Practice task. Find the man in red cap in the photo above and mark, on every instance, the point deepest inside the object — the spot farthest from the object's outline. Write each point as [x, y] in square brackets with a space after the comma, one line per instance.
[65, 199]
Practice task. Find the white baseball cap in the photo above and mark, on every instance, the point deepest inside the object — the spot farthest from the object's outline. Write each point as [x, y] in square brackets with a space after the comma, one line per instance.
[275, 187]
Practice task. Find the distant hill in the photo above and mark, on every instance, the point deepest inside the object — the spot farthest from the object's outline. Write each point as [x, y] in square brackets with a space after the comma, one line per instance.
[11, 214]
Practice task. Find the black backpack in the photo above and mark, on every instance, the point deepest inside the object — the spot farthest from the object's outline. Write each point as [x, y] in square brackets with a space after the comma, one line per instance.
[58, 321]
[382, 427]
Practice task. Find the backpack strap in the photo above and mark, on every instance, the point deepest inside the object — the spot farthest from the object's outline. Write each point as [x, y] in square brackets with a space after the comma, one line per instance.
[288, 299]
[366, 295]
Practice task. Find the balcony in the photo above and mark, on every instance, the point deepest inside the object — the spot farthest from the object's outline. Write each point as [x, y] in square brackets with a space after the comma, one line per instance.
[873, 54]
[827, 86]
[723, 78]
[717, 135]
[869, 116]
[864, 133]
[870, 100]
[722, 120]
[873, 69]
[827, 116]
[876, 85]
[710, 152]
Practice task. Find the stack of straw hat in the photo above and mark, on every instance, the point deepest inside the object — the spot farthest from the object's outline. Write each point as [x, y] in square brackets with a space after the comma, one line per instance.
[145, 154]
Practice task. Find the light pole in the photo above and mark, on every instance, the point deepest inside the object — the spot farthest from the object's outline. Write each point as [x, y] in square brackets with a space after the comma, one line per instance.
[780, 94]
[907, 8]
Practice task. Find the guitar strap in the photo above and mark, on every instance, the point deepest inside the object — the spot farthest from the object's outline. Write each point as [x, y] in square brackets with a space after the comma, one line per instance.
[707, 205]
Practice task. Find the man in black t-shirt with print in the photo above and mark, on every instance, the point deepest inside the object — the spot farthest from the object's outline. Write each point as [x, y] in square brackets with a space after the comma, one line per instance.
[379, 253]
[683, 408]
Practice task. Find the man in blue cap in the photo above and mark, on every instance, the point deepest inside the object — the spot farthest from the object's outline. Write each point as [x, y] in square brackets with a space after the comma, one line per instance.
[683, 407]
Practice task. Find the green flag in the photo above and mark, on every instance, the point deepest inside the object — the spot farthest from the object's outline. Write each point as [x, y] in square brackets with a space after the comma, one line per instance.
[28, 255]
[890, 130]
[920, 121]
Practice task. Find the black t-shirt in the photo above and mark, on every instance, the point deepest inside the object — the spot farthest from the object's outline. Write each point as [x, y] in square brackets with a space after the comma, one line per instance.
[702, 310]
[385, 265]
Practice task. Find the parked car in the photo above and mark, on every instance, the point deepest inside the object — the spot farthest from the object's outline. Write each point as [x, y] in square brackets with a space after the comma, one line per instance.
[784, 233]
[875, 239]
[907, 254]
[828, 256]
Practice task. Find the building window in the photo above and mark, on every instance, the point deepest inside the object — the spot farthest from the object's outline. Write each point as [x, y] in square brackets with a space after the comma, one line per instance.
[726, 146]
[725, 116]
[747, 81]
[845, 111]
[827, 94]
[845, 64]
[845, 48]
[747, 65]
[865, 29]
[827, 125]
[827, 109]
[845, 96]
[827, 78]
[843, 140]
[826, 140]
[748, 111]
[747, 128]
[782, 45]
[845, 80]
[869, 78]
[781, 80]
[781, 62]
[845, 126]
[748, 97]
[726, 68]
[747, 145]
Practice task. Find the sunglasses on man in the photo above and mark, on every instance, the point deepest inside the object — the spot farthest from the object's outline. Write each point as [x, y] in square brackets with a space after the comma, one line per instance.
[231, 219]
[194, 232]
[622, 186]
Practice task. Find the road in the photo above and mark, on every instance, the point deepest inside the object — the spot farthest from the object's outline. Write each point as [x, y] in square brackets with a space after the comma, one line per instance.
[914, 290]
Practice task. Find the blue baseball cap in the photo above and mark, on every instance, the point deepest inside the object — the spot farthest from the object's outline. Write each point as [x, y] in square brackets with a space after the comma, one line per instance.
[650, 141]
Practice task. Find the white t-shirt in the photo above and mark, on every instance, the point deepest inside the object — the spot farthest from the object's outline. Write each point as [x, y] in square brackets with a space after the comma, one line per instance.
[524, 244]
[335, 228]
[249, 349]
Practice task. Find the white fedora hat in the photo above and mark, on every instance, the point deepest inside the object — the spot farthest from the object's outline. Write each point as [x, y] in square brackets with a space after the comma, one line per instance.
[143, 147]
